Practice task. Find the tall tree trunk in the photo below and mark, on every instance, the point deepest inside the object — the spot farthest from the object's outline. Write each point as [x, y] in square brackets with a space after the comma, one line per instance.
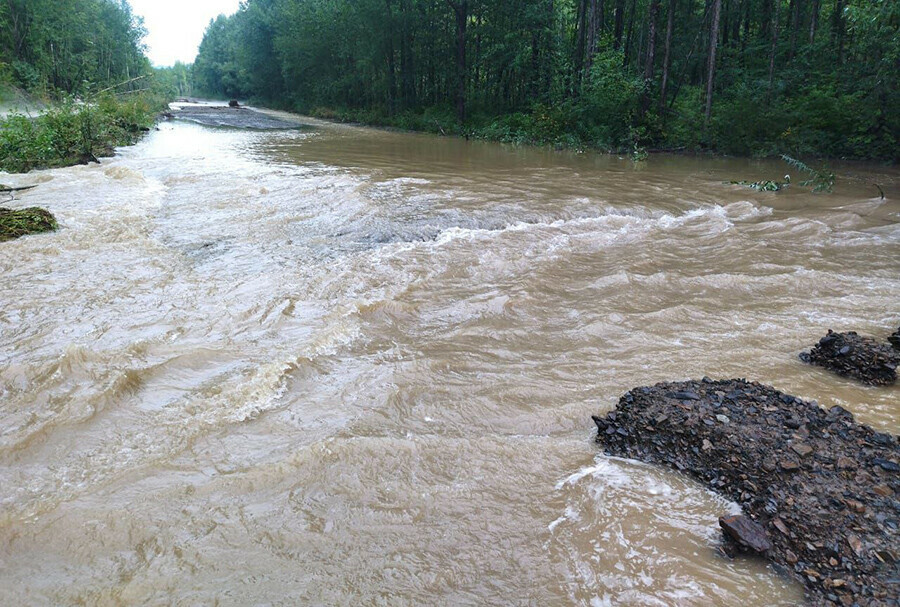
[619, 27]
[747, 13]
[711, 68]
[461, 9]
[736, 22]
[838, 29]
[594, 25]
[774, 46]
[407, 66]
[630, 36]
[651, 55]
[795, 27]
[813, 21]
[765, 20]
[726, 21]
[392, 76]
[667, 60]
[581, 39]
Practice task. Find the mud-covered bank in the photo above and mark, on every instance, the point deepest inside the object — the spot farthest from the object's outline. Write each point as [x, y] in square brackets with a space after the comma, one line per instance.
[823, 486]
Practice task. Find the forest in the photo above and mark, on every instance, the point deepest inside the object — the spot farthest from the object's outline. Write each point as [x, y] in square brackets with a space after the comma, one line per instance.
[70, 46]
[747, 77]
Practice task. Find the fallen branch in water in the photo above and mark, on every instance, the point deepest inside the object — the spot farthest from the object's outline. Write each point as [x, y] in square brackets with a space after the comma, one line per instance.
[4, 189]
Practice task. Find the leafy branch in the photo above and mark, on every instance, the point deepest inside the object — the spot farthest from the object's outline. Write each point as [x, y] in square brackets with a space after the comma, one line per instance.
[821, 180]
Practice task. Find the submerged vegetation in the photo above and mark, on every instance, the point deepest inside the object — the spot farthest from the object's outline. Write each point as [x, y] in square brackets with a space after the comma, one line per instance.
[17, 223]
[766, 185]
[820, 180]
[749, 77]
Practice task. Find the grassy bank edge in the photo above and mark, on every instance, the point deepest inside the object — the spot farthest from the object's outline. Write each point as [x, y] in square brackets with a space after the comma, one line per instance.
[524, 129]
[70, 132]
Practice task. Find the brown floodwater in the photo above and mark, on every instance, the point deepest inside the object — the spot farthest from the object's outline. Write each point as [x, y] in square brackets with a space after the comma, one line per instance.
[337, 365]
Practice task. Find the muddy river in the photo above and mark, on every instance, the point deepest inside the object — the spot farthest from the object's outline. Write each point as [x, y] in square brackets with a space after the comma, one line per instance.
[330, 365]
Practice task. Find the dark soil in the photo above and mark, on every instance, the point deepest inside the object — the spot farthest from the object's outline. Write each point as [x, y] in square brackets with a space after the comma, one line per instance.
[861, 358]
[16, 223]
[822, 488]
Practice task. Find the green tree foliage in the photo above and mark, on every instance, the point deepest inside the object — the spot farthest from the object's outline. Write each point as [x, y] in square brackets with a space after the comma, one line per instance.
[802, 77]
[70, 46]
[174, 82]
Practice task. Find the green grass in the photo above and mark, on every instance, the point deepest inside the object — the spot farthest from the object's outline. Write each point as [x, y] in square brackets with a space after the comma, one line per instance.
[72, 133]
[33, 220]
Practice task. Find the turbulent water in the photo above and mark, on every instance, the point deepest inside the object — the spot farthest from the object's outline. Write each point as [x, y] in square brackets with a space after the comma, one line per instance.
[333, 365]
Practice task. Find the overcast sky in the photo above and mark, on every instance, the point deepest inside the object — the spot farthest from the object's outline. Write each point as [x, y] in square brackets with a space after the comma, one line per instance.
[176, 26]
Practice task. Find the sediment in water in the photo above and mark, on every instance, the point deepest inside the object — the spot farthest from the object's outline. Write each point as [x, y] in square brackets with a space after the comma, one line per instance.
[823, 487]
[861, 358]
[33, 220]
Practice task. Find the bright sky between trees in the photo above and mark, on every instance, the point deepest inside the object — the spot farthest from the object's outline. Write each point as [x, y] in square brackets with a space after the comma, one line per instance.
[175, 27]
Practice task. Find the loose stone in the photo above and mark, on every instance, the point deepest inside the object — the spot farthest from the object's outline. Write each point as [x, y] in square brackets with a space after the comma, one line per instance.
[861, 358]
[818, 484]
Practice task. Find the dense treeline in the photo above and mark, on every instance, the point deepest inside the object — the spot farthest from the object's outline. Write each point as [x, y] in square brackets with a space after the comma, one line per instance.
[70, 46]
[741, 76]
[175, 81]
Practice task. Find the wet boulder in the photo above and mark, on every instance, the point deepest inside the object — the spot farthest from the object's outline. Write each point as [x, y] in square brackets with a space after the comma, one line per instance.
[894, 339]
[818, 491]
[234, 103]
[22, 222]
[851, 355]
[746, 532]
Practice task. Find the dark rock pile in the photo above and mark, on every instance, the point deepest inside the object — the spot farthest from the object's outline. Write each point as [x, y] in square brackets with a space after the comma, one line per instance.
[820, 491]
[895, 339]
[861, 358]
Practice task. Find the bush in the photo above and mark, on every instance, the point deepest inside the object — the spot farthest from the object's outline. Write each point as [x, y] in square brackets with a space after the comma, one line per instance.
[73, 133]
[610, 99]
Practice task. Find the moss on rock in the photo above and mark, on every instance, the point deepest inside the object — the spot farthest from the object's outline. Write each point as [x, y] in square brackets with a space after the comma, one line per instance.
[33, 220]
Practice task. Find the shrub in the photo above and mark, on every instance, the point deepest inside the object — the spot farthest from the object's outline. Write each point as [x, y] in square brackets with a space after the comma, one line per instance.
[73, 133]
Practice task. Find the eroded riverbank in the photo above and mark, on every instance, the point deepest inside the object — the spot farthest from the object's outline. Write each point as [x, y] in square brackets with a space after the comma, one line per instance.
[334, 364]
